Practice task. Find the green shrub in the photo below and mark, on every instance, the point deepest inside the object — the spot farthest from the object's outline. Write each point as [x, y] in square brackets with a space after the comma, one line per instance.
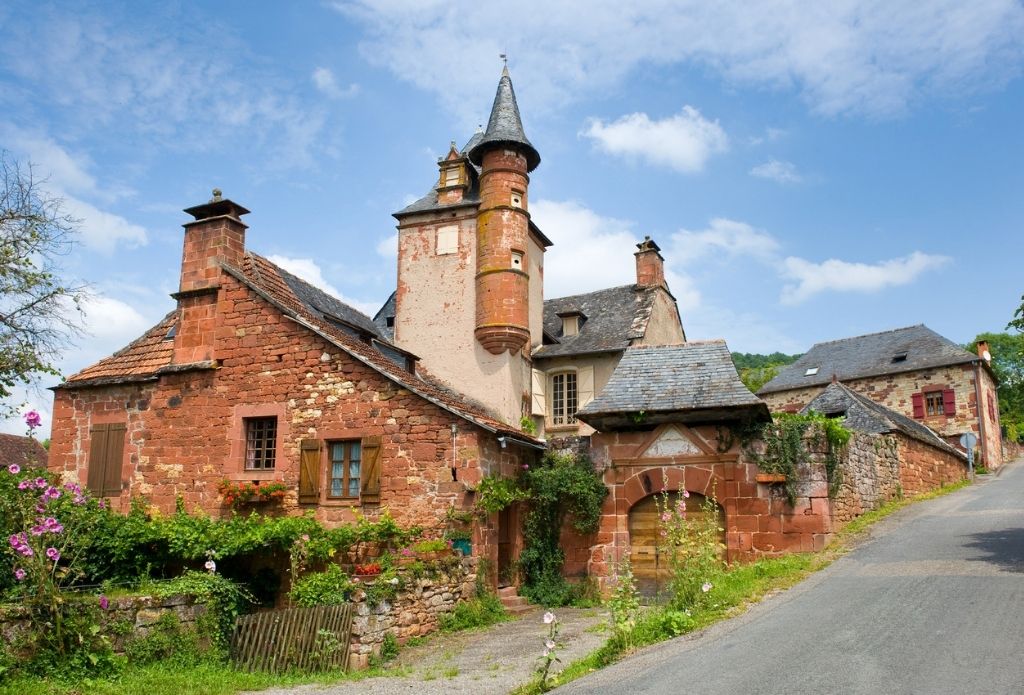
[166, 641]
[328, 588]
[389, 647]
[477, 612]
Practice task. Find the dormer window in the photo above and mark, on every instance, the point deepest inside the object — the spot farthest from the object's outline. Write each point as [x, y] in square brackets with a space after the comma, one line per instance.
[899, 357]
[811, 371]
[450, 176]
[572, 321]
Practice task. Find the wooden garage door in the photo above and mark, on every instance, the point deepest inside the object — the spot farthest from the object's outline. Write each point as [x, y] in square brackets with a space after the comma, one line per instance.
[647, 547]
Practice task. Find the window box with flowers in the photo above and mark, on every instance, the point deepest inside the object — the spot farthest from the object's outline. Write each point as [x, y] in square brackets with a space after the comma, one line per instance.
[367, 572]
[238, 495]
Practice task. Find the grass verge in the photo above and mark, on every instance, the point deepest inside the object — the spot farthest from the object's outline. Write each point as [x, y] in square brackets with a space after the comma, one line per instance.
[735, 591]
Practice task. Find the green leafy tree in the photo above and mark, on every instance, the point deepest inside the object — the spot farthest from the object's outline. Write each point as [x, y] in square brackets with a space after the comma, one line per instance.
[1008, 364]
[757, 370]
[37, 305]
[1018, 317]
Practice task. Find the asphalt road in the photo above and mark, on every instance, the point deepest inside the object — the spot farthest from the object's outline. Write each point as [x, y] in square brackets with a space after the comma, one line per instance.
[933, 603]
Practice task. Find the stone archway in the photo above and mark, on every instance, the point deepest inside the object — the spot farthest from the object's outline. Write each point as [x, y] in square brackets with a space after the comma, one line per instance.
[648, 552]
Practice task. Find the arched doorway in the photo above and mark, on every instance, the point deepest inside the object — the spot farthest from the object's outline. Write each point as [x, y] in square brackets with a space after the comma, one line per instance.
[648, 553]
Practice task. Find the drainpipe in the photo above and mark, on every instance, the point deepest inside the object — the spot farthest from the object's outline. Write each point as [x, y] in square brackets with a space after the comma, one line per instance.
[981, 416]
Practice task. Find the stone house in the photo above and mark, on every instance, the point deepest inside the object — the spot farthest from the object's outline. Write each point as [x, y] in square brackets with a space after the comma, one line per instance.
[914, 371]
[21, 451]
[890, 455]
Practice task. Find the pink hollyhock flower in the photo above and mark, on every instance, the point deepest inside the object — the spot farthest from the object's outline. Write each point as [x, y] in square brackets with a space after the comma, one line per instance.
[14, 469]
[666, 516]
[104, 602]
[686, 493]
[19, 574]
[53, 554]
[210, 566]
[40, 483]
[32, 419]
[549, 618]
[550, 644]
[24, 485]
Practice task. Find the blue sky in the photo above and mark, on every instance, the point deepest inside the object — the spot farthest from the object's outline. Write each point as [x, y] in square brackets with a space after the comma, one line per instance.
[810, 170]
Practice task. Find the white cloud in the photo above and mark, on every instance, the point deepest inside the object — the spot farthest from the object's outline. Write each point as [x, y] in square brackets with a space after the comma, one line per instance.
[324, 80]
[809, 278]
[592, 252]
[388, 247]
[723, 238]
[187, 91]
[683, 142]
[778, 171]
[66, 176]
[308, 270]
[847, 57]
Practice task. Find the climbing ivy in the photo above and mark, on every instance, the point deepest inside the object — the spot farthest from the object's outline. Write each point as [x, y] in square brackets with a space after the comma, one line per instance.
[786, 441]
[561, 487]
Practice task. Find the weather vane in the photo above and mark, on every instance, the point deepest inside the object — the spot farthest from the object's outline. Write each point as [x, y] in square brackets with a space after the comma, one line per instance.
[504, 57]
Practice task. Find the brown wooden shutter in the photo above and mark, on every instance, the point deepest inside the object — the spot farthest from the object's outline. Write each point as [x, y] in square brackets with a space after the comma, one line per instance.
[97, 462]
[918, 401]
[948, 402]
[371, 464]
[309, 471]
[114, 460]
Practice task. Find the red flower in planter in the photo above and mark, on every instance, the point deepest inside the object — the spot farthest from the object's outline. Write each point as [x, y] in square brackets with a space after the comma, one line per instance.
[368, 569]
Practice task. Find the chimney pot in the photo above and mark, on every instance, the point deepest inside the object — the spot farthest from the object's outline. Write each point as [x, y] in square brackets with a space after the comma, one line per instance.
[650, 266]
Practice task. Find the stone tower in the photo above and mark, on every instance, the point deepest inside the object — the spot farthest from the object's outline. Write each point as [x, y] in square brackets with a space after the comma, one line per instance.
[505, 158]
[469, 301]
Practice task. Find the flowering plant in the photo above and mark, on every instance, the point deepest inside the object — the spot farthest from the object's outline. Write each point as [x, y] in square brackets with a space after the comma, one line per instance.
[692, 542]
[369, 569]
[238, 494]
[550, 645]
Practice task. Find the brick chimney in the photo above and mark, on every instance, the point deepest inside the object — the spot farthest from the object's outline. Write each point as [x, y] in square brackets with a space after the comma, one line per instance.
[650, 266]
[217, 235]
[983, 351]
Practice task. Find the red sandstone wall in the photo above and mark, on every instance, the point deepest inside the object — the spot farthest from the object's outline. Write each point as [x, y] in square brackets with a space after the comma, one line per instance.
[184, 431]
[924, 468]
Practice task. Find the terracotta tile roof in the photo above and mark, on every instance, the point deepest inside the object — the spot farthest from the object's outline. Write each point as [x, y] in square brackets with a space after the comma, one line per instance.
[23, 451]
[146, 357]
[140, 361]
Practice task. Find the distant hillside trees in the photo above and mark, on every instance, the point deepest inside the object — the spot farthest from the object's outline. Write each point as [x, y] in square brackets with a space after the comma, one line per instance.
[757, 370]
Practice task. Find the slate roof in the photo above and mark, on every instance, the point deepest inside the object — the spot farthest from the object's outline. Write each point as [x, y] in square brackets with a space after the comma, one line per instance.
[149, 356]
[471, 196]
[23, 451]
[326, 306]
[692, 382]
[865, 415]
[614, 318]
[870, 355]
[380, 319]
[505, 127]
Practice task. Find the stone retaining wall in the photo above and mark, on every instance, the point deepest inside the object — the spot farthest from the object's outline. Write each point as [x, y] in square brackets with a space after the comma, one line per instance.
[415, 611]
[870, 474]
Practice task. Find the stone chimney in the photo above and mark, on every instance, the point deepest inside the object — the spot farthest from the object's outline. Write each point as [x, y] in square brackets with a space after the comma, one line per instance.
[983, 351]
[650, 266]
[217, 235]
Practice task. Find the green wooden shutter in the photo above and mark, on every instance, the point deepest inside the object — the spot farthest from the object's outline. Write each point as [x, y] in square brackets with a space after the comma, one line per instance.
[309, 471]
[371, 464]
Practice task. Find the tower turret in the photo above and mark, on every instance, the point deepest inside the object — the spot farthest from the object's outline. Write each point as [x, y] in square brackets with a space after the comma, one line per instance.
[506, 157]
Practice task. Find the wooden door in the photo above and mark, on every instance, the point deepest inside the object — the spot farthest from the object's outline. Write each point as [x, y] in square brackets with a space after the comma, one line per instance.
[505, 529]
[648, 552]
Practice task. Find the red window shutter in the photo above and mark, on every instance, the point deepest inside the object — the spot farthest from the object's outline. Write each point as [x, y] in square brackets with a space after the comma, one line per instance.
[948, 402]
[918, 401]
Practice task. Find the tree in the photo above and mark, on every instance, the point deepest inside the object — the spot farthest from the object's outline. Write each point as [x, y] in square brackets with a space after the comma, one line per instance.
[38, 308]
[757, 370]
[1008, 364]
[1018, 317]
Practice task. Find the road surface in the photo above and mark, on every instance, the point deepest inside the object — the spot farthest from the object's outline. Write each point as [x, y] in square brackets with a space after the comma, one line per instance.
[933, 603]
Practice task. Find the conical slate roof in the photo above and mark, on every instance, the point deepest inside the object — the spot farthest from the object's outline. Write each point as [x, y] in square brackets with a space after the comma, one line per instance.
[505, 127]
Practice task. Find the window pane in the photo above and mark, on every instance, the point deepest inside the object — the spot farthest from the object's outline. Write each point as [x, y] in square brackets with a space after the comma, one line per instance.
[570, 397]
[260, 442]
[558, 399]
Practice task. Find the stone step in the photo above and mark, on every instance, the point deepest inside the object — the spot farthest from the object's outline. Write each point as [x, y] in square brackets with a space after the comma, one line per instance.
[514, 602]
[508, 591]
[520, 610]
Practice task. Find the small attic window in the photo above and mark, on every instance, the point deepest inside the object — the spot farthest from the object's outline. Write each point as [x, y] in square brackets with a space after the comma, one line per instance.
[389, 321]
[450, 176]
[811, 371]
[572, 321]
[899, 357]
[171, 332]
[835, 415]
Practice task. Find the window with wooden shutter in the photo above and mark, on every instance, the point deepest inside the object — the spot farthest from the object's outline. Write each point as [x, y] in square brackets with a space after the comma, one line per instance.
[346, 469]
[918, 400]
[106, 455]
[309, 471]
[948, 402]
[585, 386]
[370, 470]
[539, 398]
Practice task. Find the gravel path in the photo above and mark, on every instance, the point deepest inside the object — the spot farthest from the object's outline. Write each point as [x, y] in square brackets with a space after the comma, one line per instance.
[493, 661]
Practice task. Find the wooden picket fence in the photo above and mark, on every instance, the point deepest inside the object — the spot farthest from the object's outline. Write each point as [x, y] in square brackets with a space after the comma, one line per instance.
[301, 639]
